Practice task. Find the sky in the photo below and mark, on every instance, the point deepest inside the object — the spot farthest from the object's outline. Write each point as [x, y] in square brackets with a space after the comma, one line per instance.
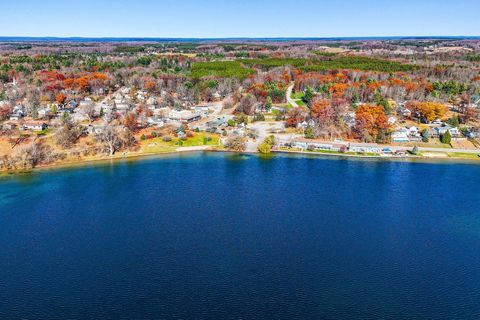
[239, 18]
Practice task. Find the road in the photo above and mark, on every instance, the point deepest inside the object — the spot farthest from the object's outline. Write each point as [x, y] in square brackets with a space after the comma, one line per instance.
[426, 149]
[289, 95]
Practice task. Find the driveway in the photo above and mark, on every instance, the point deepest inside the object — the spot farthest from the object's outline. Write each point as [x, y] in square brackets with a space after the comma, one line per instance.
[289, 95]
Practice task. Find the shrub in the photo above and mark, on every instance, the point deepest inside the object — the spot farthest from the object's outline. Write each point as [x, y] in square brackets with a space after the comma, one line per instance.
[446, 138]
[264, 148]
[167, 138]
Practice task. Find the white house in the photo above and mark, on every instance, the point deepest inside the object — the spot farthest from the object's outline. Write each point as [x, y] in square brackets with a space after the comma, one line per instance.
[400, 135]
[35, 125]
[365, 147]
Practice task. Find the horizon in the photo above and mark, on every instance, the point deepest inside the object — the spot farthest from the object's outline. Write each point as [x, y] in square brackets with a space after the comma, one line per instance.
[266, 39]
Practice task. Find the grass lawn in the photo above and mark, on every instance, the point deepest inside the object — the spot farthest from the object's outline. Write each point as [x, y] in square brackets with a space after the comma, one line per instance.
[300, 103]
[464, 155]
[297, 95]
[157, 145]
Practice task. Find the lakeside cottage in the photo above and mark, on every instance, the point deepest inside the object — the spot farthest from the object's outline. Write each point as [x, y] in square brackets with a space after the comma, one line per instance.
[364, 147]
[307, 144]
[400, 135]
[440, 131]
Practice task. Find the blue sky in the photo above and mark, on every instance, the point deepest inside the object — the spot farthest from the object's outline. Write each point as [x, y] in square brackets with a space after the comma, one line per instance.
[235, 18]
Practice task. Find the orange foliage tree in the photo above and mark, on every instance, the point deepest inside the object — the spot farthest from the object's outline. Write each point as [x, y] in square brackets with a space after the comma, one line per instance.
[371, 123]
[427, 111]
[60, 98]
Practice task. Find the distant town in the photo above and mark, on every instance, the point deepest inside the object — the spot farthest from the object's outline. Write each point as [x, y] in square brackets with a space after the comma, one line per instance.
[71, 101]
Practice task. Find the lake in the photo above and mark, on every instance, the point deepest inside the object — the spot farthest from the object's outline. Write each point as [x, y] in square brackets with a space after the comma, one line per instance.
[221, 236]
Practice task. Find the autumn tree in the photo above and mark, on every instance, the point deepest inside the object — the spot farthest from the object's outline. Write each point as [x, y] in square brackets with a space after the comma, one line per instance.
[371, 123]
[427, 111]
[60, 98]
[68, 134]
[247, 104]
[130, 121]
[236, 144]
[294, 117]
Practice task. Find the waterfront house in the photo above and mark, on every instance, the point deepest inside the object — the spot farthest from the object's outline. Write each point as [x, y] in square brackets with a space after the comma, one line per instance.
[440, 131]
[400, 135]
[309, 144]
[364, 147]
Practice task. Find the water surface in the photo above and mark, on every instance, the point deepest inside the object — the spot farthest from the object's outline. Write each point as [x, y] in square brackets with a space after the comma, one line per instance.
[216, 236]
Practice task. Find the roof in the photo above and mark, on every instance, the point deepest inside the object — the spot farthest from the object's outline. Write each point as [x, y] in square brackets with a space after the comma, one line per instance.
[318, 141]
[363, 144]
[34, 123]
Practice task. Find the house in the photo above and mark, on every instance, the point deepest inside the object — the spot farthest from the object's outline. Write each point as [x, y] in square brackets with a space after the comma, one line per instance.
[413, 131]
[476, 100]
[440, 131]
[308, 144]
[87, 102]
[217, 123]
[95, 129]
[17, 113]
[155, 121]
[184, 116]
[400, 135]
[392, 120]
[44, 112]
[152, 101]
[405, 112]
[122, 108]
[35, 125]
[9, 125]
[364, 147]
[202, 110]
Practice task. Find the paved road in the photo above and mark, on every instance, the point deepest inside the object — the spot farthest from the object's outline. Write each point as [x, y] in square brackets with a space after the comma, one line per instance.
[289, 94]
[425, 149]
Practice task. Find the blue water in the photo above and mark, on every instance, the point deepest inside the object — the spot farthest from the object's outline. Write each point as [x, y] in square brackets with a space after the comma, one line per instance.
[217, 236]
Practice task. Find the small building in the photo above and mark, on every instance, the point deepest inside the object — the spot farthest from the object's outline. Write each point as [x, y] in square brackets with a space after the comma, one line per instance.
[217, 123]
[184, 116]
[156, 122]
[93, 129]
[440, 131]
[35, 125]
[400, 136]
[308, 144]
[9, 125]
[364, 147]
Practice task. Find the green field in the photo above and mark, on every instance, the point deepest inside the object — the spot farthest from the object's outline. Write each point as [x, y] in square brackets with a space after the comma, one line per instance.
[221, 69]
[242, 68]
[337, 63]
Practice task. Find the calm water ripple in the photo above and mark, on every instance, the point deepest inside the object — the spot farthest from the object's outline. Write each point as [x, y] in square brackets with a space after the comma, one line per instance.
[217, 236]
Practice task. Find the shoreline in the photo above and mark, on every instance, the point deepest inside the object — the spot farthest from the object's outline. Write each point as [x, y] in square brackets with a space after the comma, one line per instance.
[186, 150]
